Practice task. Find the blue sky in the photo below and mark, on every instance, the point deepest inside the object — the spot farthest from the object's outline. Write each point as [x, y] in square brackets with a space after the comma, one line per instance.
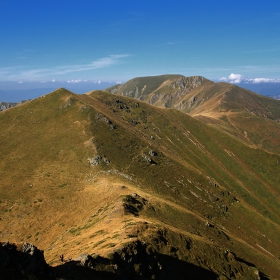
[47, 42]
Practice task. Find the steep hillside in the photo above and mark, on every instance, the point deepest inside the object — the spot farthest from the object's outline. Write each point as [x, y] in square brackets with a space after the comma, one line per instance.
[252, 118]
[163, 91]
[108, 175]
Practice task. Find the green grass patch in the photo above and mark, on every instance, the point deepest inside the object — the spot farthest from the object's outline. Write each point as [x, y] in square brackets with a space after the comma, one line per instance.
[99, 243]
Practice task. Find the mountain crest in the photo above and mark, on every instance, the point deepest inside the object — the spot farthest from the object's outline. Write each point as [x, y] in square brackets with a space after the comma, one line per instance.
[163, 91]
[219, 104]
[134, 187]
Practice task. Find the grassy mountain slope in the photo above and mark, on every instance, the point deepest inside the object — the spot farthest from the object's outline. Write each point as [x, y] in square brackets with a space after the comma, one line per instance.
[252, 118]
[162, 91]
[93, 173]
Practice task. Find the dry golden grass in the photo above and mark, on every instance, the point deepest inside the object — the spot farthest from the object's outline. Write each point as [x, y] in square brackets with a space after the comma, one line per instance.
[51, 195]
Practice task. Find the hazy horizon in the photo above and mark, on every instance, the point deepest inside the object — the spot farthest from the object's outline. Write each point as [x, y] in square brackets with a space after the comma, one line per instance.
[80, 43]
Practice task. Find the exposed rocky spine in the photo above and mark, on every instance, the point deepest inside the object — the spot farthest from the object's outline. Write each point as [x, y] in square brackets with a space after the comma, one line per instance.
[23, 261]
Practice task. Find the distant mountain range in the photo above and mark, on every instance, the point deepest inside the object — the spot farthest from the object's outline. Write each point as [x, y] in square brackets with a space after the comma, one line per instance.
[34, 90]
[165, 177]
[15, 96]
[267, 89]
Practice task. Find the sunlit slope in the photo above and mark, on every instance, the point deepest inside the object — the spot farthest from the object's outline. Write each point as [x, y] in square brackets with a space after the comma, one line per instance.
[44, 154]
[165, 91]
[252, 118]
[197, 95]
[89, 173]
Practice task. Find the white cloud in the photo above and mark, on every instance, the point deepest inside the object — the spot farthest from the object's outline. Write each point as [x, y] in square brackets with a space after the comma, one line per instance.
[237, 79]
[265, 80]
[76, 81]
[20, 73]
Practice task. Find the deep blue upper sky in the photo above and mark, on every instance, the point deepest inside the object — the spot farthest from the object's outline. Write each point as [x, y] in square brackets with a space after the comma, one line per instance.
[108, 40]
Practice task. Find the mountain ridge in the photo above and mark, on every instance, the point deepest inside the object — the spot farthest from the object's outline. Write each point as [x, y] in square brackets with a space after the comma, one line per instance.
[173, 85]
[219, 104]
[148, 89]
[137, 172]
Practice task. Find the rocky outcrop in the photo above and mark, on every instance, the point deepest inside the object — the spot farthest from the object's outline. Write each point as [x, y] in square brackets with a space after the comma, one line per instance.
[133, 204]
[153, 153]
[23, 261]
[95, 161]
[136, 260]
[162, 91]
[6, 105]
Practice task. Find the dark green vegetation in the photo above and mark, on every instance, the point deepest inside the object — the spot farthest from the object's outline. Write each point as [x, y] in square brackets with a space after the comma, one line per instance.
[103, 173]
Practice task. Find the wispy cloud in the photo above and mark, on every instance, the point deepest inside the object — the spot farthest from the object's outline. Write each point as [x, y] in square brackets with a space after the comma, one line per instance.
[237, 79]
[20, 73]
[76, 81]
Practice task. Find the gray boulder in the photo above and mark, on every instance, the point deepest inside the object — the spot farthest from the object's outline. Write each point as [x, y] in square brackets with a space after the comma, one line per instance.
[95, 161]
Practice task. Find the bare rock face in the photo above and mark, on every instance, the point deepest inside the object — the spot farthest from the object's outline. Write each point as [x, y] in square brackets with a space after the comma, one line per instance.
[23, 261]
[162, 91]
[85, 260]
[95, 161]
[5, 105]
[153, 153]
